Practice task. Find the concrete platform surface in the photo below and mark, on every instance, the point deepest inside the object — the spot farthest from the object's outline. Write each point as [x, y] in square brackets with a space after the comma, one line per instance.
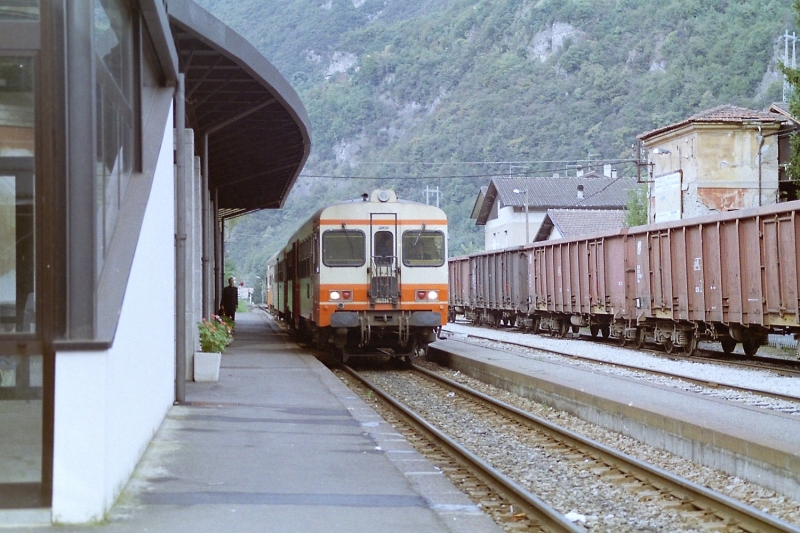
[279, 444]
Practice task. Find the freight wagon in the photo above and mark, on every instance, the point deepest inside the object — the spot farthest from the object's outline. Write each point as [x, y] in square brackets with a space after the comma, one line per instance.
[730, 277]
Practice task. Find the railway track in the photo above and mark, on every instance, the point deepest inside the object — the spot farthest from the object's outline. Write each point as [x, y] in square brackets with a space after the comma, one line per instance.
[695, 506]
[511, 505]
[793, 402]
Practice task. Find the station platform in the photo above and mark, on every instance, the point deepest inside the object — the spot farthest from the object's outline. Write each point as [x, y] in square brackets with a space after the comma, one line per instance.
[756, 444]
[279, 444]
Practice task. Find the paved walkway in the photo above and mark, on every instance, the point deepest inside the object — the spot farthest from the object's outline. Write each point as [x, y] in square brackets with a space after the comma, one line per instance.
[279, 444]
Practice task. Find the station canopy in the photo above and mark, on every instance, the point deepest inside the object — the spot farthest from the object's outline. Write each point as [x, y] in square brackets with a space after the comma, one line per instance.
[258, 130]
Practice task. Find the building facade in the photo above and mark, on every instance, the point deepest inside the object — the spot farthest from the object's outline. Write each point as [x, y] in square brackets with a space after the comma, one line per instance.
[513, 210]
[718, 160]
[121, 150]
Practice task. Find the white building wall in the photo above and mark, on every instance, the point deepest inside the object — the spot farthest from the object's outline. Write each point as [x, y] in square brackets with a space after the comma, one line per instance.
[109, 404]
[508, 229]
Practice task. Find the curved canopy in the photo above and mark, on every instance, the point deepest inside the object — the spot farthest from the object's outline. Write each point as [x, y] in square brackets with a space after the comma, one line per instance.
[258, 130]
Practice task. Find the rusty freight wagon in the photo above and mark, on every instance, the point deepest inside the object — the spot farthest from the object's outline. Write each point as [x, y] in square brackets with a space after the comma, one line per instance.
[730, 277]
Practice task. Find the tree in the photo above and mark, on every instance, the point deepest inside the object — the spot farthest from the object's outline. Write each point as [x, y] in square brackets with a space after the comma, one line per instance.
[793, 77]
[636, 208]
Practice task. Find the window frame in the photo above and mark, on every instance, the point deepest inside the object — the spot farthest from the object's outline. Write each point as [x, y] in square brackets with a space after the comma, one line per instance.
[420, 232]
[363, 247]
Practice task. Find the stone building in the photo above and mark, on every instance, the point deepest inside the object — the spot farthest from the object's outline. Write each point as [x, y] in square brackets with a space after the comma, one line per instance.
[720, 159]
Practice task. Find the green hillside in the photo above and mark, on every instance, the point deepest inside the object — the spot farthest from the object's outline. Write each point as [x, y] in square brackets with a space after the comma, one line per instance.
[447, 93]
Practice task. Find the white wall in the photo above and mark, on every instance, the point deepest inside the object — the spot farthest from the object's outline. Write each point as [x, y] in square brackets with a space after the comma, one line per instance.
[109, 404]
[508, 229]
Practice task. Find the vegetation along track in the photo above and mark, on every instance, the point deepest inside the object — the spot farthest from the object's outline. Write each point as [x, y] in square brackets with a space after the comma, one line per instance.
[571, 472]
[786, 404]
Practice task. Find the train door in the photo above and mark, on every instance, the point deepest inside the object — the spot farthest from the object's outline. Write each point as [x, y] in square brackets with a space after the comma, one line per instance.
[383, 254]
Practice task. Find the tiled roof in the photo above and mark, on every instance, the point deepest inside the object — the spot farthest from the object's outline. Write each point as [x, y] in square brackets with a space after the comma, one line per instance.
[599, 192]
[575, 222]
[727, 114]
[782, 108]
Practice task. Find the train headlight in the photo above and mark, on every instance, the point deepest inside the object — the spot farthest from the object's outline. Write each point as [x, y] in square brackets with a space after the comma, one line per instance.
[345, 294]
[423, 295]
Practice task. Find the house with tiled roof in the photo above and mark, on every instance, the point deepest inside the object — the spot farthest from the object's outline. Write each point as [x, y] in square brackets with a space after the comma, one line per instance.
[504, 206]
[720, 159]
[567, 223]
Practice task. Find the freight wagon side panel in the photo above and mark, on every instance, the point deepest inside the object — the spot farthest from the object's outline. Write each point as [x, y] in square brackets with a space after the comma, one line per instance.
[679, 280]
[614, 251]
[712, 273]
[574, 277]
[752, 263]
[731, 275]
[584, 278]
[695, 272]
[558, 279]
[520, 280]
[473, 281]
[597, 277]
[642, 291]
[661, 274]
[780, 272]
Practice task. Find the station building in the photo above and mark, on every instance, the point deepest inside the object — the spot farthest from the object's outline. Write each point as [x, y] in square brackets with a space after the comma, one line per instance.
[129, 130]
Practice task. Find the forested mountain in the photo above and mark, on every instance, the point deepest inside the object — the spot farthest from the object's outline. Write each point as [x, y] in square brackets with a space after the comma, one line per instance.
[447, 93]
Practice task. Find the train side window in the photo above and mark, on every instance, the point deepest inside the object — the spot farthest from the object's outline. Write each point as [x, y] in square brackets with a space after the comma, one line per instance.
[423, 248]
[343, 248]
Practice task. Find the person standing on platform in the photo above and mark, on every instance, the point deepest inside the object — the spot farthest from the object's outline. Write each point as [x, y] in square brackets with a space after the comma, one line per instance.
[230, 300]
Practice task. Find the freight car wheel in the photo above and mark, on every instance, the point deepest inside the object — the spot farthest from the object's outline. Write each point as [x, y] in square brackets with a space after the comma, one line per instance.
[594, 330]
[641, 335]
[669, 346]
[576, 329]
[605, 331]
[623, 340]
[728, 344]
[691, 345]
[750, 347]
[563, 329]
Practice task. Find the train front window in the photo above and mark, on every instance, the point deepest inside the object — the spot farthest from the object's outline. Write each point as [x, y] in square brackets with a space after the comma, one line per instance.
[423, 248]
[343, 248]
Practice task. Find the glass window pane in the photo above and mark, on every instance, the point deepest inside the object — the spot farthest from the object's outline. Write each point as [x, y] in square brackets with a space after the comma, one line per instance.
[20, 373]
[17, 245]
[423, 248]
[114, 66]
[19, 10]
[343, 248]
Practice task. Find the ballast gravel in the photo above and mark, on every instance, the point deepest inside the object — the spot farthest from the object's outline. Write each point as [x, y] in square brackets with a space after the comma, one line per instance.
[568, 487]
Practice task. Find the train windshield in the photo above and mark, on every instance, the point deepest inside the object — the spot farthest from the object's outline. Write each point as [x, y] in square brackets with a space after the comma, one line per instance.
[343, 248]
[423, 248]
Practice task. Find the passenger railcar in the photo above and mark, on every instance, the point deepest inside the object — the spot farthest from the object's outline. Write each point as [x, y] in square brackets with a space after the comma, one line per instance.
[731, 277]
[366, 273]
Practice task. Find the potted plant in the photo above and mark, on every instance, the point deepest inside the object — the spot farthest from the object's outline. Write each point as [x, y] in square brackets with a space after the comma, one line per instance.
[215, 335]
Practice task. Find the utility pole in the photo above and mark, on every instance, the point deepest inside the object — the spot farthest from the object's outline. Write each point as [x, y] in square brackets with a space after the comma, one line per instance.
[429, 191]
[787, 87]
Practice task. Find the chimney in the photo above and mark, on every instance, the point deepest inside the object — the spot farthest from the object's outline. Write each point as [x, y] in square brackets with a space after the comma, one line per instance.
[580, 191]
[607, 170]
[580, 171]
[614, 173]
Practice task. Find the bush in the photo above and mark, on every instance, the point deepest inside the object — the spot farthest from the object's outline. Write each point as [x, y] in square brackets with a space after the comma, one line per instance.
[215, 334]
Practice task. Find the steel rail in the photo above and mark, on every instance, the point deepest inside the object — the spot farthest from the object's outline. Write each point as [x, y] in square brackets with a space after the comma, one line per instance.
[741, 515]
[548, 518]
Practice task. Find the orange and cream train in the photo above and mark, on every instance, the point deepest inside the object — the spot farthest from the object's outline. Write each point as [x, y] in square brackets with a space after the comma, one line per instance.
[365, 274]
